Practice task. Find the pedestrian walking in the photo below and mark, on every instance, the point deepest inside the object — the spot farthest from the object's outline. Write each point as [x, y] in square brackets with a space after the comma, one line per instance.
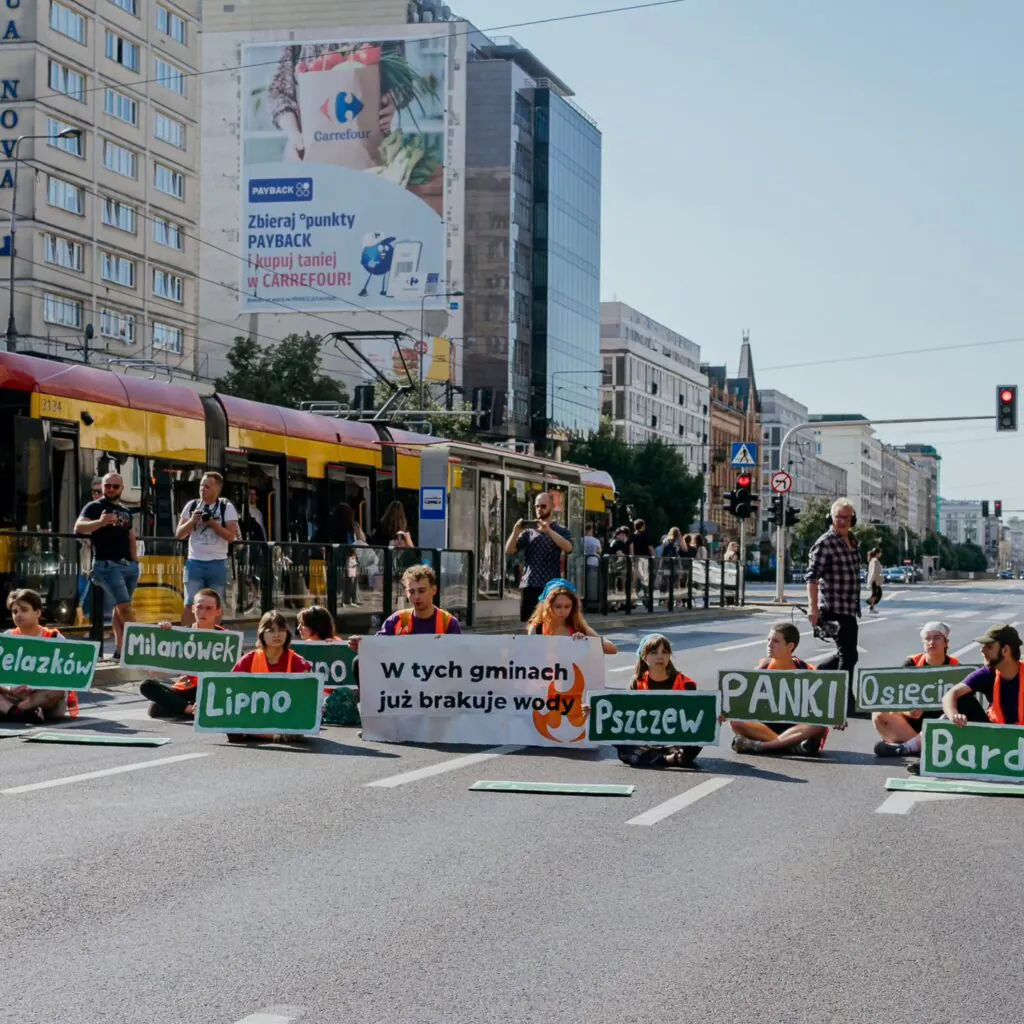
[543, 543]
[874, 580]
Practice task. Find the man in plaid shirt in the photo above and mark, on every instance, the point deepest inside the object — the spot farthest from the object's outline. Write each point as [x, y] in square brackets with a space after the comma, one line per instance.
[833, 585]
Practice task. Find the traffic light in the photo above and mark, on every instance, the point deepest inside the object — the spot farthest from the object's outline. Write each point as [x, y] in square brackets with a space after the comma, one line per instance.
[729, 502]
[984, 510]
[1006, 407]
[741, 496]
[999, 509]
[776, 515]
[791, 516]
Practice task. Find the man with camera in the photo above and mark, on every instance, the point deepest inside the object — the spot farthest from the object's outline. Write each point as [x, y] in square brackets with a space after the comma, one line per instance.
[210, 523]
[543, 543]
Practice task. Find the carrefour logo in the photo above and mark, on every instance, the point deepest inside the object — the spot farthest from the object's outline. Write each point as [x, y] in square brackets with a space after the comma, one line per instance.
[280, 190]
[347, 107]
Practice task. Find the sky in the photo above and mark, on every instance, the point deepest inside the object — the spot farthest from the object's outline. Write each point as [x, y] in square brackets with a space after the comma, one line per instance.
[842, 180]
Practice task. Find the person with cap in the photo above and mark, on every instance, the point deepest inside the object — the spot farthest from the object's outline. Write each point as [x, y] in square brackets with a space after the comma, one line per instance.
[559, 613]
[901, 727]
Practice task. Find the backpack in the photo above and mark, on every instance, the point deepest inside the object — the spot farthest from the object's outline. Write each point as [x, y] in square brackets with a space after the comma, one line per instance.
[221, 509]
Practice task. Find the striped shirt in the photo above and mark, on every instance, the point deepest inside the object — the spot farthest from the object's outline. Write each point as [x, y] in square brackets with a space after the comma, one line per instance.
[835, 565]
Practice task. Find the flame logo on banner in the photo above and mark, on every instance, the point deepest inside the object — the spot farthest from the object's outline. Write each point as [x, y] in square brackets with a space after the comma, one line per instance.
[558, 726]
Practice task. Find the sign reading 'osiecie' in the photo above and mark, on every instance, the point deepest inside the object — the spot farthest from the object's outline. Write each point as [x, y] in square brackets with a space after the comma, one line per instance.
[907, 689]
[242, 702]
[989, 752]
[333, 663]
[803, 695]
[639, 718]
[56, 664]
[180, 650]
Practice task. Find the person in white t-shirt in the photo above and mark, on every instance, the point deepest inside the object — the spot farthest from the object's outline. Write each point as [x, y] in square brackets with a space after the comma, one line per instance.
[210, 523]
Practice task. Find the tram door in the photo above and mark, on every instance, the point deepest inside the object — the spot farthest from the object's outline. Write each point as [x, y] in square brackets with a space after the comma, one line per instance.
[490, 537]
[33, 509]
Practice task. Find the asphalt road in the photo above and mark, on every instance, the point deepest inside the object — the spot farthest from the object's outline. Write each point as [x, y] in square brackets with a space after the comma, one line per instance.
[278, 884]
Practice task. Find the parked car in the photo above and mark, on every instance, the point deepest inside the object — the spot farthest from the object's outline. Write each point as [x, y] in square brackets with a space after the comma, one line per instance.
[1007, 574]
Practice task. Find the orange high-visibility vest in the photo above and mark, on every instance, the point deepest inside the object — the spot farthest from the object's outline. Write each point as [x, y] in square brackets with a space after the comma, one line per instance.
[260, 663]
[680, 682]
[921, 661]
[403, 626]
[995, 710]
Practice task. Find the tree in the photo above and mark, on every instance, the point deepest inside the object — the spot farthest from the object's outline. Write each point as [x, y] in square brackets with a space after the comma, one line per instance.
[287, 373]
[813, 522]
[651, 477]
[970, 558]
[454, 428]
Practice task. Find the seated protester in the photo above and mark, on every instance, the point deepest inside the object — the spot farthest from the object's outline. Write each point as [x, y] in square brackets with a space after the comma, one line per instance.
[899, 727]
[655, 671]
[780, 737]
[559, 613]
[420, 584]
[177, 699]
[316, 623]
[21, 703]
[341, 706]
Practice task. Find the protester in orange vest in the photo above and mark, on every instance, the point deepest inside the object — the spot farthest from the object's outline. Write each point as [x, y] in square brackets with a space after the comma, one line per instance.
[655, 671]
[900, 728]
[998, 680]
[177, 699]
[21, 703]
[423, 617]
[559, 613]
[780, 737]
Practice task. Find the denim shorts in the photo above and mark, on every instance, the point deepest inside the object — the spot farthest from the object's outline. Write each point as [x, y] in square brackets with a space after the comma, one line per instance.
[200, 575]
[117, 579]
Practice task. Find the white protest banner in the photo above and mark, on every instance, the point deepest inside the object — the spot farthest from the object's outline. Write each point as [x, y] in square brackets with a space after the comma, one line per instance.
[487, 690]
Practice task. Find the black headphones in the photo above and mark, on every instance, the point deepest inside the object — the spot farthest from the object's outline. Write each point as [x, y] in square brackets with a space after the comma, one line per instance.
[853, 521]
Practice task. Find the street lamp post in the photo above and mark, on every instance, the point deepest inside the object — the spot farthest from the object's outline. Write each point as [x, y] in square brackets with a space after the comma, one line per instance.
[12, 328]
[423, 331]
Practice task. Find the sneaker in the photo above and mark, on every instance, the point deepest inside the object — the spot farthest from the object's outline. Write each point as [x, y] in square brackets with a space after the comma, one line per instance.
[914, 767]
[885, 749]
[810, 748]
[742, 745]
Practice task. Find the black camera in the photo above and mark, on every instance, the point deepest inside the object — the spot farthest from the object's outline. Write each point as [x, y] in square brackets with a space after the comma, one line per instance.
[206, 517]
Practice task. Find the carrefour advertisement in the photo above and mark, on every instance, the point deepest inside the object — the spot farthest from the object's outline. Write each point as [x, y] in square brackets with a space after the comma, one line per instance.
[343, 163]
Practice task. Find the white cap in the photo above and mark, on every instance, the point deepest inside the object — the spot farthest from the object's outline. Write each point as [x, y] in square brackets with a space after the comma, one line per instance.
[935, 627]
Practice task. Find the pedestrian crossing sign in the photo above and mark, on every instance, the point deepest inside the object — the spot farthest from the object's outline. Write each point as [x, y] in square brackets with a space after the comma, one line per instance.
[744, 455]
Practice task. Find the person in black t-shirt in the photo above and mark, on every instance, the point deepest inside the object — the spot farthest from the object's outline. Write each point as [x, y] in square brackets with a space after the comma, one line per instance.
[115, 565]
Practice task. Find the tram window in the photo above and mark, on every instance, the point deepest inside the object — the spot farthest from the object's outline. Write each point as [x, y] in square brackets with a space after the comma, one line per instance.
[302, 505]
[175, 484]
[8, 519]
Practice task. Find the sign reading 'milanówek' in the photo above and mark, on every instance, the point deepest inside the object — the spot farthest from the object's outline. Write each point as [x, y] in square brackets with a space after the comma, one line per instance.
[43, 664]
[180, 650]
[259, 702]
[907, 689]
[993, 753]
[653, 718]
[334, 663]
[803, 695]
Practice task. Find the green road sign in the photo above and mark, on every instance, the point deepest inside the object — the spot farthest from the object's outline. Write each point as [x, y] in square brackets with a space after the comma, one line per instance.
[97, 739]
[959, 787]
[653, 718]
[568, 788]
[57, 664]
[803, 695]
[907, 689]
[191, 651]
[259, 703]
[332, 662]
[993, 753]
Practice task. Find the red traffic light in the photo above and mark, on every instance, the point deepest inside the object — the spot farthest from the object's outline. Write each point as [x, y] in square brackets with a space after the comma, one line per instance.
[1006, 395]
[745, 480]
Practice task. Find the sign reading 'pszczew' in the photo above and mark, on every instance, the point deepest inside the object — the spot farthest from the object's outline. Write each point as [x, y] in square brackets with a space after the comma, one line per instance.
[803, 695]
[257, 702]
[989, 752]
[653, 718]
[180, 650]
[43, 664]
[907, 689]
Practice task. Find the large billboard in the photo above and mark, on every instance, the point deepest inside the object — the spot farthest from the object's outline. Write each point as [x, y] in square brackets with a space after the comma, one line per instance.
[343, 174]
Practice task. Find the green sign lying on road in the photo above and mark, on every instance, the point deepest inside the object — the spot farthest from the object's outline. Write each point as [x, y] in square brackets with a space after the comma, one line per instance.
[653, 718]
[57, 664]
[993, 753]
[180, 650]
[259, 702]
[907, 689]
[803, 695]
[332, 662]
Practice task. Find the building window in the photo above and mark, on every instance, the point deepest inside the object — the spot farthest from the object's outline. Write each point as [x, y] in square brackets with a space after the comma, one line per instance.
[169, 130]
[75, 146]
[65, 196]
[63, 253]
[131, 6]
[171, 25]
[166, 232]
[120, 160]
[167, 285]
[67, 22]
[167, 337]
[68, 82]
[124, 108]
[118, 270]
[119, 215]
[169, 76]
[119, 326]
[166, 180]
[122, 52]
[65, 312]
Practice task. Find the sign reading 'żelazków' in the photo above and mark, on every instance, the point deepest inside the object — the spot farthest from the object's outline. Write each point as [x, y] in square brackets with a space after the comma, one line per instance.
[803, 695]
[907, 689]
[993, 753]
[259, 702]
[180, 650]
[653, 718]
[56, 664]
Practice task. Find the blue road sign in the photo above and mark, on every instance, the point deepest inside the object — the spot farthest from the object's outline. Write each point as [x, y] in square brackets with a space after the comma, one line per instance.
[744, 455]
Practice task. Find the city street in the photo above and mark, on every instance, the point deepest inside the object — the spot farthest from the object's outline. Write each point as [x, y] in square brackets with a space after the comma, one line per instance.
[336, 881]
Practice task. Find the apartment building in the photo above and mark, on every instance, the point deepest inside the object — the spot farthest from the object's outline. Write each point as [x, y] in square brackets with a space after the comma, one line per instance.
[848, 441]
[104, 98]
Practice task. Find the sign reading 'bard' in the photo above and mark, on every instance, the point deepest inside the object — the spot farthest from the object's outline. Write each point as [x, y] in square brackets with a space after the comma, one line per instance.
[652, 718]
[993, 753]
[907, 689]
[803, 695]
[56, 664]
[180, 650]
[259, 702]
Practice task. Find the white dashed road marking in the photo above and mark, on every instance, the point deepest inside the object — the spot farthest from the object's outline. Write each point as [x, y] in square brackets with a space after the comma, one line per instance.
[67, 780]
[677, 803]
[438, 769]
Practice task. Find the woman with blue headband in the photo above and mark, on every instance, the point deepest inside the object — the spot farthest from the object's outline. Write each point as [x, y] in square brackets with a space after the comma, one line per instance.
[559, 613]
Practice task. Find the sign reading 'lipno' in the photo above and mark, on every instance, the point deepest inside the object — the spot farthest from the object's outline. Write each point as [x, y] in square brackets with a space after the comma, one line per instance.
[651, 718]
[258, 702]
[907, 689]
[56, 664]
[180, 650]
[804, 695]
[993, 753]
